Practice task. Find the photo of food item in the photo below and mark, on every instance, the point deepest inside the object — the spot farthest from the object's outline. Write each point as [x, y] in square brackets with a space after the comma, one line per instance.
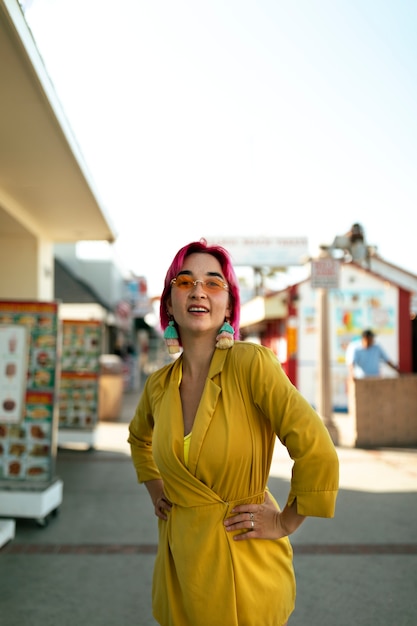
[17, 431]
[3, 430]
[39, 450]
[42, 378]
[38, 469]
[45, 322]
[28, 320]
[44, 341]
[10, 370]
[38, 413]
[43, 359]
[17, 449]
[6, 319]
[66, 363]
[39, 431]
[12, 344]
[14, 468]
[9, 404]
[35, 470]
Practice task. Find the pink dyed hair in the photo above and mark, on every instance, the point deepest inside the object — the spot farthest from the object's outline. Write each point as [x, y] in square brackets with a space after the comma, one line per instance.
[223, 258]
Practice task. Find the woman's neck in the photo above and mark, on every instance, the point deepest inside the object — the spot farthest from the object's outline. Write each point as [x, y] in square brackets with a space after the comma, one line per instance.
[197, 357]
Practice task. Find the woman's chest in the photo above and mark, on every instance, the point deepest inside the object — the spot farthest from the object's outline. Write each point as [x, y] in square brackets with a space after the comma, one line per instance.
[191, 395]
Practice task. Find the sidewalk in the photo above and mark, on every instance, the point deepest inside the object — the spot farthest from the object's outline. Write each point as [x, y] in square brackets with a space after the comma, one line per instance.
[92, 565]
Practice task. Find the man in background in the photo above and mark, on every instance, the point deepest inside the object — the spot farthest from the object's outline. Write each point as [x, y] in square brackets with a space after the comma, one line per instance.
[364, 358]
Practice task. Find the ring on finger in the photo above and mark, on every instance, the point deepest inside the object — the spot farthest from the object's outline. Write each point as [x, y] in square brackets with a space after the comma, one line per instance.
[251, 517]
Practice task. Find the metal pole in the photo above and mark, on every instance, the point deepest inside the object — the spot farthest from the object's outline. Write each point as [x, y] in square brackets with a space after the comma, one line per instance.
[325, 387]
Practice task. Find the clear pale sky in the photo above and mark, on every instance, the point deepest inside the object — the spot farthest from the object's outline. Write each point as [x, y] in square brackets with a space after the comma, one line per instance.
[238, 117]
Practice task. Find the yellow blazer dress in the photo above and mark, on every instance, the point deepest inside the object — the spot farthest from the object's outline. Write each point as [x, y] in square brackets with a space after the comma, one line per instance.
[201, 576]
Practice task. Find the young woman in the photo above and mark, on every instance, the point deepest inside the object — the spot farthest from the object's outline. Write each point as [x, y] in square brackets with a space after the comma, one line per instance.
[202, 440]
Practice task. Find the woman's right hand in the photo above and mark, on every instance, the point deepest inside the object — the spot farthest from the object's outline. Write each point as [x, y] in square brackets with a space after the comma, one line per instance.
[162, 507]
[161, 503]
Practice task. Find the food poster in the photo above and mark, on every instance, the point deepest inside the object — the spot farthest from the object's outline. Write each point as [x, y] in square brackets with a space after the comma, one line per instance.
[78, 400]
[14, 349]
[79, 382]
[28, 443]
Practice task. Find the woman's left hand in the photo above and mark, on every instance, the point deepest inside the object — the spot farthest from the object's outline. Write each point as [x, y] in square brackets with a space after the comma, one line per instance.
[261, 521]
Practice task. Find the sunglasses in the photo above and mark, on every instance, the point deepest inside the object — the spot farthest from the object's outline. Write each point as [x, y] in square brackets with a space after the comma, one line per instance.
[212, 285]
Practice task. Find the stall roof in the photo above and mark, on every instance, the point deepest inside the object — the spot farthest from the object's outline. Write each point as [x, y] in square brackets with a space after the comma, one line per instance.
[45, 187]
[70, 289]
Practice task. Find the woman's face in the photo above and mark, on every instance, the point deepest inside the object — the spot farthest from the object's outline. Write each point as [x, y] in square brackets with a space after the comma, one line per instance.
[199, 309]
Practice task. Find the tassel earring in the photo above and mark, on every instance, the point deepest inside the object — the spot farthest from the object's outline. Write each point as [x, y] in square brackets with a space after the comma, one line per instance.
[171, 338]
[224, 339]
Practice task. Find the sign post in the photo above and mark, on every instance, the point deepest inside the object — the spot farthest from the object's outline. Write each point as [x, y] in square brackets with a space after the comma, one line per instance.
[325, 276]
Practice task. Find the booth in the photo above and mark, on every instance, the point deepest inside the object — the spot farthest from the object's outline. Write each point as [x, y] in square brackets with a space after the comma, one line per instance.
[384, 411]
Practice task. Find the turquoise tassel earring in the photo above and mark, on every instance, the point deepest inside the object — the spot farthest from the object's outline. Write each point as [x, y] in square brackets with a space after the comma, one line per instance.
[224, 339]
[171, 338]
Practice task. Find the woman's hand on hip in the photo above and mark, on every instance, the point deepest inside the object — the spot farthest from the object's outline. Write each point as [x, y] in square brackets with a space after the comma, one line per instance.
[162, 507]
[161, 503]
[260, 521]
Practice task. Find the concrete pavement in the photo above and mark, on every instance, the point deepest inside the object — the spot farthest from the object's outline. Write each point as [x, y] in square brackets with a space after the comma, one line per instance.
[93, 563]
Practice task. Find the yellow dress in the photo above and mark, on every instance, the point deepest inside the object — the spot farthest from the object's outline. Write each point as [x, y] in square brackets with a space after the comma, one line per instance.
[201, 576]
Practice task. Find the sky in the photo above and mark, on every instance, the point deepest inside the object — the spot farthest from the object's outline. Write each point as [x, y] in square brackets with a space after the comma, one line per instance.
[240, 117]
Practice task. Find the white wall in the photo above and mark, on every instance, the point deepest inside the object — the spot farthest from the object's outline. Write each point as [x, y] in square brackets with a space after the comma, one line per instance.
[27, 270]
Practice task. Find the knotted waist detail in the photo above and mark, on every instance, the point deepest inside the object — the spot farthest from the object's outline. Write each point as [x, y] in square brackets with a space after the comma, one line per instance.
[229, 505]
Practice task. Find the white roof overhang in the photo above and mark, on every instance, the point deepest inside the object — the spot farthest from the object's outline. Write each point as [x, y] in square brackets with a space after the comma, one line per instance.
[262, 309]
[45, 187]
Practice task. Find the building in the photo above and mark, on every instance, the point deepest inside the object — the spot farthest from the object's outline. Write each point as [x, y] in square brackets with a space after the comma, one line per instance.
[375, 295]
[47, 195]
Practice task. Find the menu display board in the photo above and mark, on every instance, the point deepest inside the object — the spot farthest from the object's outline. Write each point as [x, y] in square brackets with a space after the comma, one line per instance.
[27, 441]
[79, 382]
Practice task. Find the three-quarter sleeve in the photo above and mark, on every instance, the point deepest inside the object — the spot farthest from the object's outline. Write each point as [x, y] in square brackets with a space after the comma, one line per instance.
[140, 438]
[315, 471]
